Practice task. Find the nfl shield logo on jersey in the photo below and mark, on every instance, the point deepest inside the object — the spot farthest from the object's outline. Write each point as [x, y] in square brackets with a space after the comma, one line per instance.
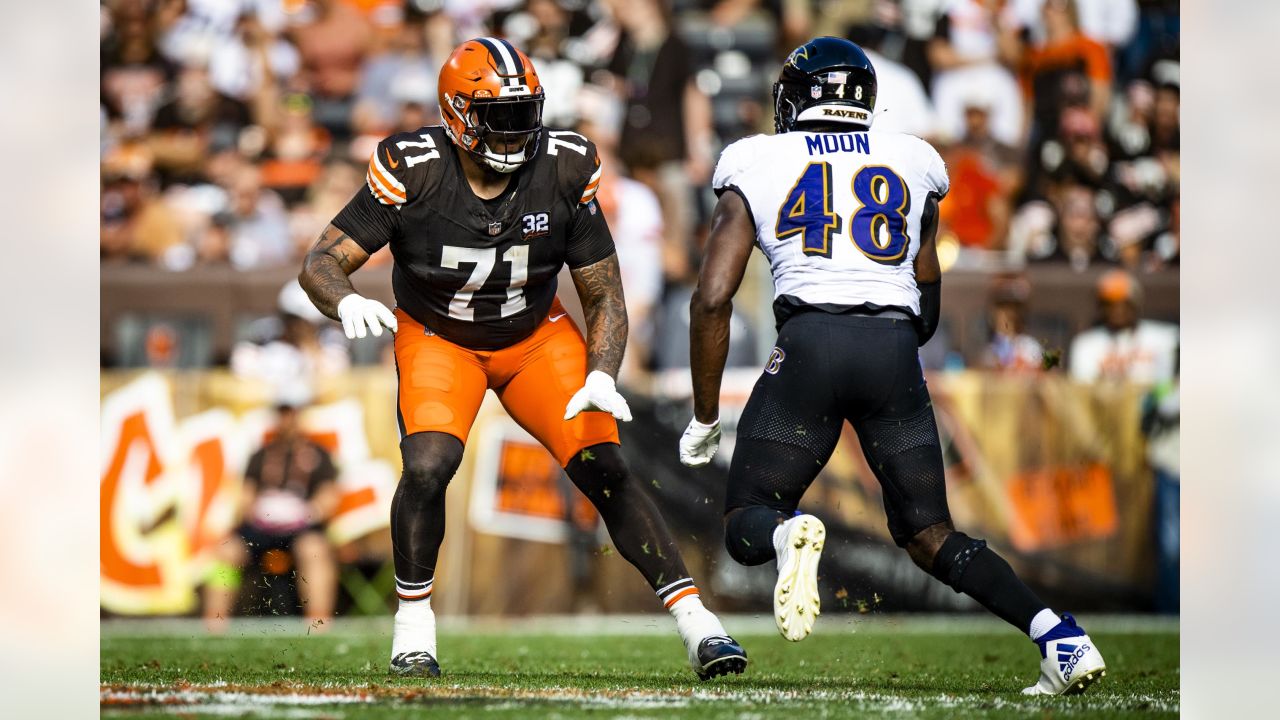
[815, 92]
[495, 228]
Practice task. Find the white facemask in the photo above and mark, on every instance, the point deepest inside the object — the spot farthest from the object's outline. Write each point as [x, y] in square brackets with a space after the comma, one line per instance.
[507, 163]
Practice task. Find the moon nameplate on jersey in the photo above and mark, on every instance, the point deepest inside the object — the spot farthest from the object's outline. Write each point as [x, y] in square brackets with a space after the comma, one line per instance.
[495, 228]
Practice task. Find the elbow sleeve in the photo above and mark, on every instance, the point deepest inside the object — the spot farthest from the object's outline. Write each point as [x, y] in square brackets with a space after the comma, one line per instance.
[930, 310]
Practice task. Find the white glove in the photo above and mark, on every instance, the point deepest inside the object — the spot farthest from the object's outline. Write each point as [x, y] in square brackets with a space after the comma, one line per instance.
[598, 393]
[359, 312]
[699, 443]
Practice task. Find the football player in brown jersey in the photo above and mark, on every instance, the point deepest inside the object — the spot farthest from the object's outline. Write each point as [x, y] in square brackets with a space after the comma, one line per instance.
[481, 212]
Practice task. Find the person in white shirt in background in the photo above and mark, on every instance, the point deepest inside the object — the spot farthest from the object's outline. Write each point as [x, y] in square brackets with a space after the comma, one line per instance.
[635, 218]
[1123, 347]
[297, 347]
[976, 45]
[902, 105]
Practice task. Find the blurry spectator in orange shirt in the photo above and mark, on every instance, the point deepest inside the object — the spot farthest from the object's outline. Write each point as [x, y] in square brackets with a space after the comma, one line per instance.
[984, 178]
[1068, 69]
[1110, 22]
[386, 15]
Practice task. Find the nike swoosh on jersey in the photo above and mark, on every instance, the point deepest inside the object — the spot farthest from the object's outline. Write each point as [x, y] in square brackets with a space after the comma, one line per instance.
[392, 162]
[557, 317]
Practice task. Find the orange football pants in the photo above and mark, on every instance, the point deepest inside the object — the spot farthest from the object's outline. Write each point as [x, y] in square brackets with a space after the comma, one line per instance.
[443, 384]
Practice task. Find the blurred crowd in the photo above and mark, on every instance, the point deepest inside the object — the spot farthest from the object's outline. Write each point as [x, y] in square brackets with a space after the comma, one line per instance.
[233, 130]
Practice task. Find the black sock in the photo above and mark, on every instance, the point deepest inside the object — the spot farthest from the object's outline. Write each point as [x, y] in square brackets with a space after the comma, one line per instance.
[748, 534]
[417, 509]
[634, 523]
[989, 580]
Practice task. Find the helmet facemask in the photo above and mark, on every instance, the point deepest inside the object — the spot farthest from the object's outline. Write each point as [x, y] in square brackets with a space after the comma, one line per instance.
[502, 132]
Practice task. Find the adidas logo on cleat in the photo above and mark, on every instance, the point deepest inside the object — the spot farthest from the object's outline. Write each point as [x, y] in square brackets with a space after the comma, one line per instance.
[1069, 656]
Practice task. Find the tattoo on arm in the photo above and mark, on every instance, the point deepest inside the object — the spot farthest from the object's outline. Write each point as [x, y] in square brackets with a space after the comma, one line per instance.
[326, 267]
[600, 288]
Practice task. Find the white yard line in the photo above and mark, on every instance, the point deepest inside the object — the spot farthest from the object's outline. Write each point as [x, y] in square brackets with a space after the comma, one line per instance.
[212, 700]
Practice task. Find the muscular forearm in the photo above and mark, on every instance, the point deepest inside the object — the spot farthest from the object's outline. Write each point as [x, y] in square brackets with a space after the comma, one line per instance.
[708, 349]
[325, 270]
[600, 289]
[606, 335]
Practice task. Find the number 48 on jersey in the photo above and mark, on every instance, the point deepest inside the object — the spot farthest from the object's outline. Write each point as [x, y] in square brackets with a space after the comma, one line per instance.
[878, 228]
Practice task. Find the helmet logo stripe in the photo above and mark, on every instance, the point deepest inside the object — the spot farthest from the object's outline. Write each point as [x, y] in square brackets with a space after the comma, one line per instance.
[515, 57]
[499, 51]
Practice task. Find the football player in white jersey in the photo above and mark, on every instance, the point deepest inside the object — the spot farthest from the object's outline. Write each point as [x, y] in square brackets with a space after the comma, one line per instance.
[847, 220]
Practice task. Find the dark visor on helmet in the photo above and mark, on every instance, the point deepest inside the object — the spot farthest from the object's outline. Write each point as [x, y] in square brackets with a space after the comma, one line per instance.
[509, 116]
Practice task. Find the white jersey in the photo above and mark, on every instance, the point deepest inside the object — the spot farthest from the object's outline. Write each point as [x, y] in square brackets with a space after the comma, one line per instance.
[837, 214]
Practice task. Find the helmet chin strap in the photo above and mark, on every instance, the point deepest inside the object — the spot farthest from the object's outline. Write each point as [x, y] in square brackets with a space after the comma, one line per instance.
[503, 166]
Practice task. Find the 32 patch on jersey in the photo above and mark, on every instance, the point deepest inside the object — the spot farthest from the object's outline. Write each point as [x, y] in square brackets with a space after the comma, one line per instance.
[535, 225]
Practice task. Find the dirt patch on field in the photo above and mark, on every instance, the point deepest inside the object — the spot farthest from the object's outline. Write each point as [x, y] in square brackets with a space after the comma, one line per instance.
[286, 693]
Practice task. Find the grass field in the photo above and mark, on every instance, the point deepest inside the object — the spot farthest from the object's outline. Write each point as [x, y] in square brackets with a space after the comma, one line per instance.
[895, 666]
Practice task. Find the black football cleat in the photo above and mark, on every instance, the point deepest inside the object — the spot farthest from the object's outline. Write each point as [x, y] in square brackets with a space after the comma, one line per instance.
[720, 655]
[415, 664]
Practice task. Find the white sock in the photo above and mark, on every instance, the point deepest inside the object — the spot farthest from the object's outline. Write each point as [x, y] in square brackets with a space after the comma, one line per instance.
[694, 622]
[415, 628]
[1043, 622]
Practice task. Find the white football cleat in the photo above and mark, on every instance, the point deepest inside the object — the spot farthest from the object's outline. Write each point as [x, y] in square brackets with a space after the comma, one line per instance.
[798, 543]
[1070, 661]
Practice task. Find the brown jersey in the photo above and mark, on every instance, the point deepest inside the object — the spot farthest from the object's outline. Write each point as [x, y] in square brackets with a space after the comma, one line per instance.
[479, 273]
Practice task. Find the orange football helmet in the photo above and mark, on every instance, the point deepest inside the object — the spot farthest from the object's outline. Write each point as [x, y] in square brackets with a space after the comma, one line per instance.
[491, 102]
